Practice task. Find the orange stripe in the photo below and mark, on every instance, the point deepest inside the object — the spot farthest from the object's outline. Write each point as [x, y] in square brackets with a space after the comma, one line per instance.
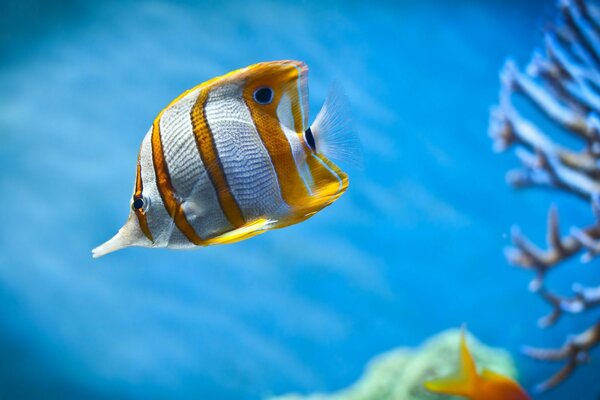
[167, 193]
[212, 164]
[283, 80]
[140, 213]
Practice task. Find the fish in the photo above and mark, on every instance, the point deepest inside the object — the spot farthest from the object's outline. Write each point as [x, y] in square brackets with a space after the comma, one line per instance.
[466, 382]
[235, 157]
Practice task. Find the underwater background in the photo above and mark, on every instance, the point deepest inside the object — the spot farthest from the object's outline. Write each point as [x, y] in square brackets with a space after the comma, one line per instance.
[414, 247]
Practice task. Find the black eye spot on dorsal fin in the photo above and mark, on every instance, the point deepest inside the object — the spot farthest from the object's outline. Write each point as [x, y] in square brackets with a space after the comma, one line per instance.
[310, 139]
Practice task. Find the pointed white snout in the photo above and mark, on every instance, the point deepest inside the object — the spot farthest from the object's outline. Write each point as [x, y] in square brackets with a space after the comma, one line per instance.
[113, 244]
[129, 235]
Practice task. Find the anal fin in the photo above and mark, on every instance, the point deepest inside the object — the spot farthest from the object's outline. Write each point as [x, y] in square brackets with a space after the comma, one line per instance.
[243, 232]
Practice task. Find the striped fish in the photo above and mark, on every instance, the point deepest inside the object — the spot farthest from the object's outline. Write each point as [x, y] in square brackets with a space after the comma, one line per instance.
[233, 158]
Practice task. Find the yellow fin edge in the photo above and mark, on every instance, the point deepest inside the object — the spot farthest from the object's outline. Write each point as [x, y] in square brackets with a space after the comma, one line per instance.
[244, 232]
[463, 381]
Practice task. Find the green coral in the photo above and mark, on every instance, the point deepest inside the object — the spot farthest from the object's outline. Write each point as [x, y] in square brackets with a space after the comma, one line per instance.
[399, 374]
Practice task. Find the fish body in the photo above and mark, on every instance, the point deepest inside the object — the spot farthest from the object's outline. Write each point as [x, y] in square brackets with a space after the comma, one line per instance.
[232, 158]
[466, 382]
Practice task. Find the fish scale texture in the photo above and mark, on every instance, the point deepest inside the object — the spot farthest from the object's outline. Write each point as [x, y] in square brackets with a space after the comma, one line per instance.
[246, 162]
[187, 171]
[181, 153]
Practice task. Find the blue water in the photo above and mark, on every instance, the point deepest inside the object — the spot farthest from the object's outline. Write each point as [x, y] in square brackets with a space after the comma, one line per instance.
[413, 248]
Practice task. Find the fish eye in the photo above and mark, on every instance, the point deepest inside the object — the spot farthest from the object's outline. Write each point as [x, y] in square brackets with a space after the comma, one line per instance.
[139, 203]
[263, 95]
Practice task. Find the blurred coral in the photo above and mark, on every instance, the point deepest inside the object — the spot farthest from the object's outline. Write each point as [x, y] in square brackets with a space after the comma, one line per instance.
[400, 373]
[563, 82]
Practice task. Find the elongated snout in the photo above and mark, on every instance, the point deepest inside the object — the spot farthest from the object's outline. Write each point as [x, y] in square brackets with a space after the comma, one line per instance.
[129, 235]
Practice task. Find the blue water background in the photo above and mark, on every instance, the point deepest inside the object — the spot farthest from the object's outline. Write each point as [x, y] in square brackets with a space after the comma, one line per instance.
[413, 248]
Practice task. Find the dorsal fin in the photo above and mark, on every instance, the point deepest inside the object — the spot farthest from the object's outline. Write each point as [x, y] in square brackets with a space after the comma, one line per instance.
[463, 381]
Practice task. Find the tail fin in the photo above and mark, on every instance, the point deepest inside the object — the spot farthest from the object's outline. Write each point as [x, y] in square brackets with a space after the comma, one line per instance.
[333, 132]
[462, 382]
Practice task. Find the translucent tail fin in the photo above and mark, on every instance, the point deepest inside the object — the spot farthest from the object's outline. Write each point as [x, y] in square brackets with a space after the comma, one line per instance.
[333, 132]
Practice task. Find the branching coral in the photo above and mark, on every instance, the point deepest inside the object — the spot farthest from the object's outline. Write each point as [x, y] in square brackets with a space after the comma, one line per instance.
[575, 351]
[563, 82]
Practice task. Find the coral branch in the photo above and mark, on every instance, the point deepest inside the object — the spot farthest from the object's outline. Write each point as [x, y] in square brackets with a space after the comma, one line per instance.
[539, 95]
[582, 300]
[575, 351]
[527, 255]
[563, 82]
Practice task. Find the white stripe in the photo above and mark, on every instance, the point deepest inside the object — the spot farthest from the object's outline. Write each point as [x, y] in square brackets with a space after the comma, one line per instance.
[286, 121]
[187, 171]
[245, 160]
[302, 97]
[161, 225]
